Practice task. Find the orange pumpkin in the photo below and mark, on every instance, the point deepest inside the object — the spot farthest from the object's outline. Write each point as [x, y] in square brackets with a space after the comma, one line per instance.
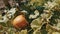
[20, 22]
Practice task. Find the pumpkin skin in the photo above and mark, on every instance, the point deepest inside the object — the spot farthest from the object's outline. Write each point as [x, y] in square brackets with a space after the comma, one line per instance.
[20, 22]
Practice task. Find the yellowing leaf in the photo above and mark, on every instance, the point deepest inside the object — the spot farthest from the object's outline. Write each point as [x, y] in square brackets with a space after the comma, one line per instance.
[36, 23]
[23, 32]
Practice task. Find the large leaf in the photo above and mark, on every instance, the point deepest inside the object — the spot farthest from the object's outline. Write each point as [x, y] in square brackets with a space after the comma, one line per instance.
[36, 23]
